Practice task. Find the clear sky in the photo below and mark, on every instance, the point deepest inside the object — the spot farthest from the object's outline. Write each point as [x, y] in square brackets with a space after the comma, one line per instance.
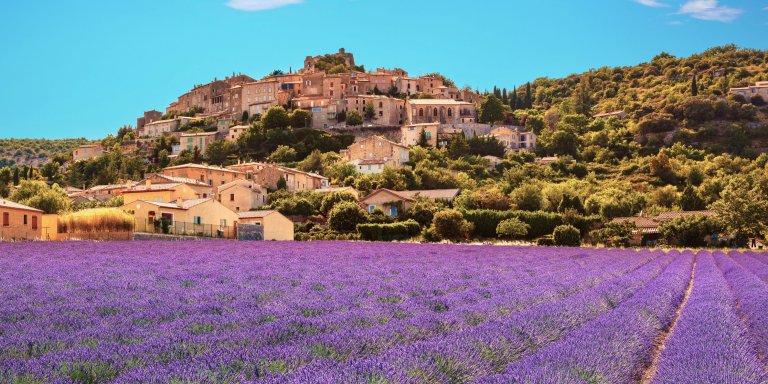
[83, 68]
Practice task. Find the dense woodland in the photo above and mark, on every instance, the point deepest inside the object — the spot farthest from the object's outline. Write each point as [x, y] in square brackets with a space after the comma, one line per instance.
[686, 144]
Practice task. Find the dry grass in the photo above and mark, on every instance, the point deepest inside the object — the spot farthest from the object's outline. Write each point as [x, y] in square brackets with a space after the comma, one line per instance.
[96, 220]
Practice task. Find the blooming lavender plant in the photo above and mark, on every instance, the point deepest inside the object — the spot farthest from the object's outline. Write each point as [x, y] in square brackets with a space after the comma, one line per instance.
[217, 311]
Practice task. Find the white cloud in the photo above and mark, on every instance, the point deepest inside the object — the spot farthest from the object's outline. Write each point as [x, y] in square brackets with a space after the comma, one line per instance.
[260, 5]
[651, 3]
[710, 10]
[675, 23]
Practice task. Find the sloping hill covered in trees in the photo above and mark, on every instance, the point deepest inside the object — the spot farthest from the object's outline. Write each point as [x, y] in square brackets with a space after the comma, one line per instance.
[34, 152]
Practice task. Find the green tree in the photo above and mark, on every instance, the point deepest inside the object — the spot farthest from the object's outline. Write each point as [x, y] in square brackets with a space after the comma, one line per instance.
[244, 117]
[50, 171]
[528, 197]
[275, 117]
[345, 216]
[354, 118]
[450, 224]
[528, 100]
[423, 140]
[16, 178]
[566, 236]
[301, 118]
[694, 86]
[491, 110]
[743, 208]
[38, 194]
[690, 200]
[688, 231]
[458, 147]
[513, 102]
[512, 229]
[331, 199]
[281, 184]
[369, 111]
[423, 211]
[219, 150]
[283, 154]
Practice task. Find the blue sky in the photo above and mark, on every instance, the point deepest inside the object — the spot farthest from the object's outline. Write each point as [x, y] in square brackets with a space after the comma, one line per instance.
[83, 68]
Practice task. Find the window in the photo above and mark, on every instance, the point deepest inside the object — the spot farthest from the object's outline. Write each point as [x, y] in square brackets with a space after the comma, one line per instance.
[450, 112]
[421, 112]
[393, 211]
[428, 134]
[198, 220]
[25, 219]
[223, 222]
[371, 208]
[231, 197]
[6, 219]
[34, 222]
[434, 112]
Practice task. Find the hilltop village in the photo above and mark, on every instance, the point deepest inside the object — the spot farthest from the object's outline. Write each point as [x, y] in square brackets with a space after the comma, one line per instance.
[334, 151]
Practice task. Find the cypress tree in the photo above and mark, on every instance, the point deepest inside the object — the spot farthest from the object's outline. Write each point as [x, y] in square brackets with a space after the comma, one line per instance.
[694, 86]
[528, 97]
[504, 98]
[513, 99]
[16, 176]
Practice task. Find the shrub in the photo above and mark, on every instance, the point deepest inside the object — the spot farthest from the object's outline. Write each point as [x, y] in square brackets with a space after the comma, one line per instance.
[391, 231]
[688, 231]
[345, 217]
[614, 234]
[486, 221]
[512, 229]
[451, 225]
[333, 198]
[566, 236]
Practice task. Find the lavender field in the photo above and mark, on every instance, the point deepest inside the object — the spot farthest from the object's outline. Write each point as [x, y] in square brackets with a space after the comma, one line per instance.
[335, 312]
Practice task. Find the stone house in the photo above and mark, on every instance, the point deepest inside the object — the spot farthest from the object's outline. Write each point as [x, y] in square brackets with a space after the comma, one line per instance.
[19, 222]
[241, 195]
[443, 111]
[377, 148]
[213, 176]
[394, 203]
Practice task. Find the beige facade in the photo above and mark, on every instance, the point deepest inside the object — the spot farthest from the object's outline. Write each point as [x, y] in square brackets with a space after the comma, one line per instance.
[406, 85]
[241, 195]
[323, 110]
[260, 95]
[213, 176]
[161, 127]
[268, 175]
[88, 151]
[190, 141]
[19, 222]
[428, 84]
[410, 134]
[387, 110]
[276, 226]
[208, 212]
[514, 139]
[377, 148]
[759, 89]
[443, 111]
[234, 132]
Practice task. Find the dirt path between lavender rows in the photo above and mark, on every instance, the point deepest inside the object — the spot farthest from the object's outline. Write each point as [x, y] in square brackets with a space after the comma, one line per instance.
[661, 339]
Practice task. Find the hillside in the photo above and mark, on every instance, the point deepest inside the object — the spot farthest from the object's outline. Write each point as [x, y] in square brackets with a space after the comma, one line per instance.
[660, 101]
[34, 152]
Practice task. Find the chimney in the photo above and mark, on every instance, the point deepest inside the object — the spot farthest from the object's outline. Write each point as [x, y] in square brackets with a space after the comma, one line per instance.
[148, 183]
[179, 201]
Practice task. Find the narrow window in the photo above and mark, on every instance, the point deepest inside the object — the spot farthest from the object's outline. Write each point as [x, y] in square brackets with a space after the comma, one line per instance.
[6, 219]
[34, 222]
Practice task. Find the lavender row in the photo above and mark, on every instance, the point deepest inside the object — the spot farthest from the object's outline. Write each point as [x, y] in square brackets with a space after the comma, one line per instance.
[477, 352]
[709, 343]
[617, 346]
[751, 294]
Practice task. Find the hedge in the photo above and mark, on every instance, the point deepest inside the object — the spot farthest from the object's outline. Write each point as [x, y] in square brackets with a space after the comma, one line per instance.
[486, 221]
[390, 231]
